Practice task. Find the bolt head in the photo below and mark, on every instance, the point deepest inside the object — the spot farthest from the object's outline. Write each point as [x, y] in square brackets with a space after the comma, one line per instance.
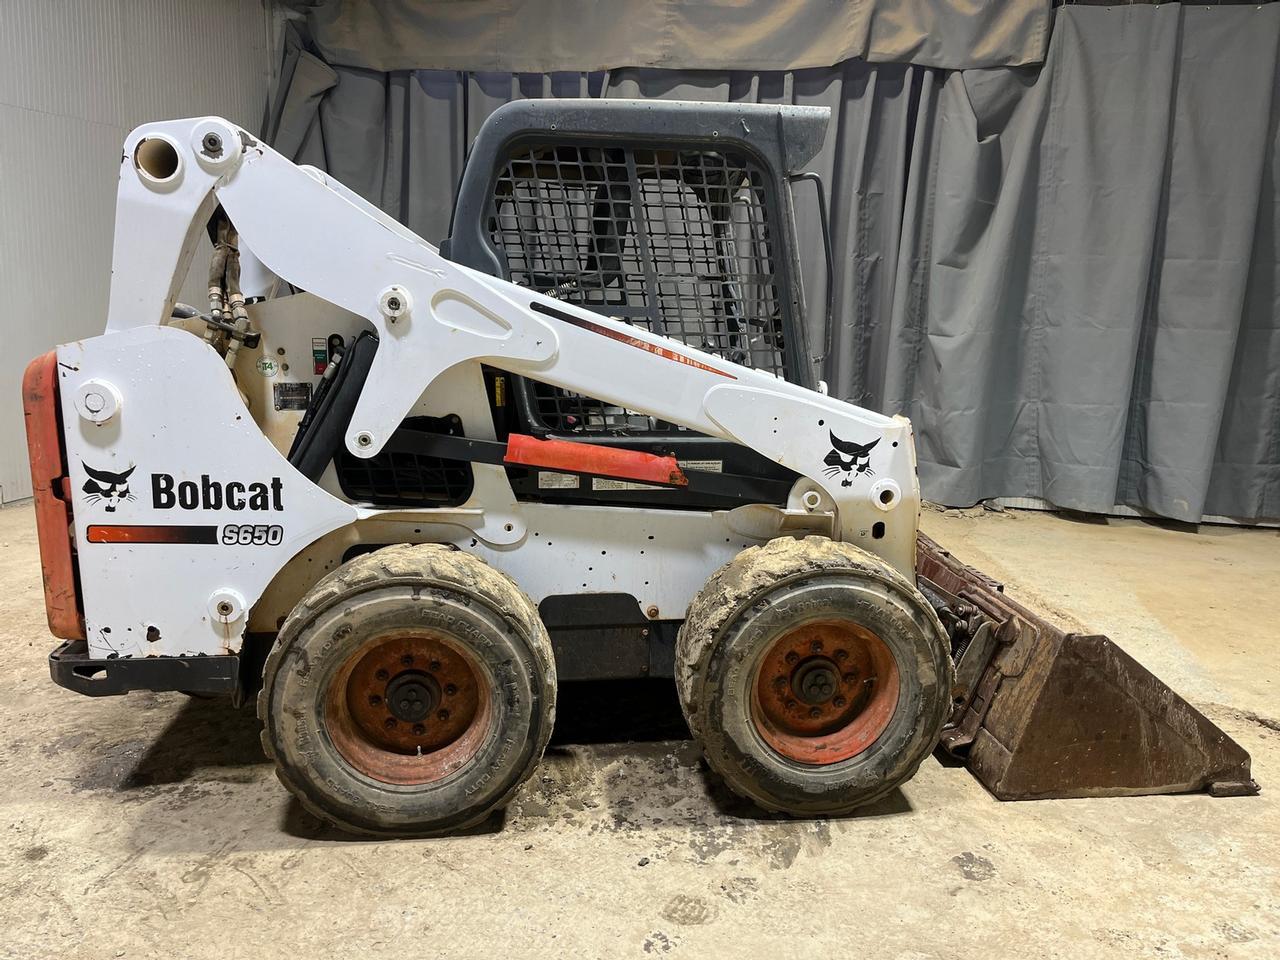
[442, 715]
[450, 689]
[374, 700]
[407, 659]
[389, 723]
[791, 657]
[842, 654]
[850, 678]
[433, 665]
[419, 729]
[816, 646]
[839, 701]
[814, 713]
[382, 675]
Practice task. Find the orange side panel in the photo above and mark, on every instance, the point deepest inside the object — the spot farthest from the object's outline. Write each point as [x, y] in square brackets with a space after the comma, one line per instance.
[572, 457]
[51, 491]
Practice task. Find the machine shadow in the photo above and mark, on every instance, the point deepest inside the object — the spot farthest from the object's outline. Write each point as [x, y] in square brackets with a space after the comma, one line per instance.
[618, 711]
[205, 736]
[207, 741]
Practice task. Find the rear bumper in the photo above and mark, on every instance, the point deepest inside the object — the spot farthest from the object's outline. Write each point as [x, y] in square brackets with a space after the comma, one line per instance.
[52, 493]
[70, 666]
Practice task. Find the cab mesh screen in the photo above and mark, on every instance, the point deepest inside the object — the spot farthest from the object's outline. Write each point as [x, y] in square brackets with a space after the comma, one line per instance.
[677, 242]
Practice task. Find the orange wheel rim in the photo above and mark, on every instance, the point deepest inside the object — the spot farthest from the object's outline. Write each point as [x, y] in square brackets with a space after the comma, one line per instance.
[824, 692]
[408, 709]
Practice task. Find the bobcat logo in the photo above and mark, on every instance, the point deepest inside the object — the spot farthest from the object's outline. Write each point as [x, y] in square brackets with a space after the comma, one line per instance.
[110, 487]
[853, 459]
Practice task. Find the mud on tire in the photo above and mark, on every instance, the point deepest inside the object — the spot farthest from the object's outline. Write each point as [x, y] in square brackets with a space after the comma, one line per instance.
[410, 692]
[816, 677]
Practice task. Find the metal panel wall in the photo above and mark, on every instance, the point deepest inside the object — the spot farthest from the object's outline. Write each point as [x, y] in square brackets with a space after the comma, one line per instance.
[75, 77]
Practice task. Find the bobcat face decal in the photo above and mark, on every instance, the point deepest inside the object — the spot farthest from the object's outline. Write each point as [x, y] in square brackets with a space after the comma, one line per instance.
[852, 459]
[111, 488]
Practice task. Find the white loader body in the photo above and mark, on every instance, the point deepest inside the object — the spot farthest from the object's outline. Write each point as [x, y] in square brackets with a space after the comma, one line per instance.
[218, 535]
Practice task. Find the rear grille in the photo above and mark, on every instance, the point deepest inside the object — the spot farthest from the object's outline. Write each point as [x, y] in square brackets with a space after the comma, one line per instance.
[677, 242]
[406, 479]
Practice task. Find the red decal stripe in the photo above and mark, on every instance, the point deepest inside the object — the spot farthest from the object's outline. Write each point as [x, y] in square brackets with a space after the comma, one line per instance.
[629, 340]
[144, 533]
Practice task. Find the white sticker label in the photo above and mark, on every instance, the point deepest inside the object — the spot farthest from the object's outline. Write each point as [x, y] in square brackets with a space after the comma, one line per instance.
[267, 367]
[557, 481]
[604, 483]
[706, 466]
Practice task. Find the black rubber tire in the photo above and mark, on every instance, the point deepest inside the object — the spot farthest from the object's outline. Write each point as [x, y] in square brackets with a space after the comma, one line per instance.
[419, 585]
[768, 590]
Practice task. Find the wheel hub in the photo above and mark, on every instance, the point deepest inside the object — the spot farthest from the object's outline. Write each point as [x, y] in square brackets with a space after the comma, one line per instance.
[815, 681]
[408, 709]
[824, 691]
[412, 695]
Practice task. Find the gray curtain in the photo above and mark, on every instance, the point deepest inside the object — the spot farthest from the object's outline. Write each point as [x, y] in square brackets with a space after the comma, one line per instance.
[535, 36]
[1066, 276]
[1089, 308]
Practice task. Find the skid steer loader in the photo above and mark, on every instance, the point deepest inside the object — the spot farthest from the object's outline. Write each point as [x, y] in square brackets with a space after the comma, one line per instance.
[394, 494]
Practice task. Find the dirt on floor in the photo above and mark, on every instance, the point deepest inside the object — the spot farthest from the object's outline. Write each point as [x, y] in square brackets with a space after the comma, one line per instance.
[150, 825]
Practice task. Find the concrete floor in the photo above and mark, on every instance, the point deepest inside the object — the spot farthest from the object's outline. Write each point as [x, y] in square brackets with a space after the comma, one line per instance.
[151, 825]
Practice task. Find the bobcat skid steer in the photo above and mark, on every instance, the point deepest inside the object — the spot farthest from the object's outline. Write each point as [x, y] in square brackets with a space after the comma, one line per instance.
[397, 493]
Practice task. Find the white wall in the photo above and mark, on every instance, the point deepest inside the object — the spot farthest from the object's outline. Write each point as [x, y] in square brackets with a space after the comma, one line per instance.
[75, 78]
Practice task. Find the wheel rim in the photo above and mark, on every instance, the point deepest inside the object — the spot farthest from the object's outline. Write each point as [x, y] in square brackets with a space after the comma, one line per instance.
[824, 692]
[408, 709]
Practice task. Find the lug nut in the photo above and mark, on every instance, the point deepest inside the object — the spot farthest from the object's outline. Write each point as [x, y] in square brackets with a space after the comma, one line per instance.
[389, 723]
[433, 665]
[779, 683]
[374, 699]
[842, 654]
[850, 678]
[816, 646]
[450, 689]
[814, 713]
[382, 675]
[442, 715]
[791, 704]
[419, 729]
[407, 659]
[839, 701]
[792, 657]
